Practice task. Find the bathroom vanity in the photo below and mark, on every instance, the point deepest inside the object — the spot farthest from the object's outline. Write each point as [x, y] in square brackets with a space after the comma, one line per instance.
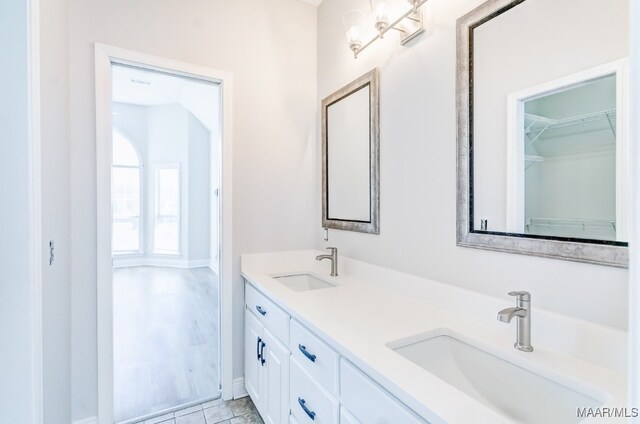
[375, 345]
[542, 170]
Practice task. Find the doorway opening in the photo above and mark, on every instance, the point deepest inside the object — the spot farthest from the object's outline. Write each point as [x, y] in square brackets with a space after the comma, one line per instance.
[164, 235]
[565, 135]
[164, 197]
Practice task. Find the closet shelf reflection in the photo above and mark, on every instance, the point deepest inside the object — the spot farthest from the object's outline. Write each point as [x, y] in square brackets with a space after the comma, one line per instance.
[536, 125]
[603, 224]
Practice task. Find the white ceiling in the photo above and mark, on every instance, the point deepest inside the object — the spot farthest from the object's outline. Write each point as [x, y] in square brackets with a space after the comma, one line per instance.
[148, 88]
[312, 2]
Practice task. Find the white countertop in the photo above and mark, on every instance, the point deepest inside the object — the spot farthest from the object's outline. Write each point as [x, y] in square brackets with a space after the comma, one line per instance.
[359, 318]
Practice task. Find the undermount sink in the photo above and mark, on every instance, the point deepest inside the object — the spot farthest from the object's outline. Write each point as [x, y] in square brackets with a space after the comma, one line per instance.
[508, 389]
[302, 282]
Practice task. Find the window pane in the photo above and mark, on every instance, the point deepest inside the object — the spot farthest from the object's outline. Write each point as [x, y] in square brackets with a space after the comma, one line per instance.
[166, 237]
[126, 236]
[168, 191]
[125, 192]
[167, 226]
[123, 151]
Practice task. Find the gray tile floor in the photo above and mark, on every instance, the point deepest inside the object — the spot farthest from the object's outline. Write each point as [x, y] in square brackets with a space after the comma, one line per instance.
[240, 411]
[166, 331]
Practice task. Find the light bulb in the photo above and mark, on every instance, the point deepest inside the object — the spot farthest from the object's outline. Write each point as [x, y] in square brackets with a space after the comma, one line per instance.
[381, 15]
[353, 23]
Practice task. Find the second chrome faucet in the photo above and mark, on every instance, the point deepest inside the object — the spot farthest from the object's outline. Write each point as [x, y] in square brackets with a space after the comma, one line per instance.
[334, 260]
[522, 311]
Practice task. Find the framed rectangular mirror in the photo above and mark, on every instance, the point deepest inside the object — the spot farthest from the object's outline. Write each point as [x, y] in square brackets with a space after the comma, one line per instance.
[350, 157]
[543, 128]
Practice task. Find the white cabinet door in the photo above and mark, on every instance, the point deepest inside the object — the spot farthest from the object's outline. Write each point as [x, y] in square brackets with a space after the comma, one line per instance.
[252, 363]
[347, 418]
[275, 397]
[309, 400]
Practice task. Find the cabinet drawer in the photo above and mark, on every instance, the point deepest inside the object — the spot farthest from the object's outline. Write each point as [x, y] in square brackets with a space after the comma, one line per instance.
[310, 403]
[292, 420]
[269, 315]
[346, 417]
[368, 402]
[314, 355]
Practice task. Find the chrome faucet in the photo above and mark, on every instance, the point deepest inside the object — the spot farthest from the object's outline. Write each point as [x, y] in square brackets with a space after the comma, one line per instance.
[523, 312]
[334, 260]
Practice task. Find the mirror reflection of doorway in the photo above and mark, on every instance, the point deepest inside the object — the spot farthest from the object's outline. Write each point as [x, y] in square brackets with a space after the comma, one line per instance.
[570, 161]
[568, 166]
[165, 224]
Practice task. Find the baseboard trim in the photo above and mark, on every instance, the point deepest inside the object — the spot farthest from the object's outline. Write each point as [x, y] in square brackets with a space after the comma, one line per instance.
[168, 262]
[213, 265]
[239, 391]
[198, 263]
[88, 420]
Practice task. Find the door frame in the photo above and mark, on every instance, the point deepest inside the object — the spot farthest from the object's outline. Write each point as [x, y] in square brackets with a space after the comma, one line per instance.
[105, 57]
[516, 150]
[35, 208]
[633, 375]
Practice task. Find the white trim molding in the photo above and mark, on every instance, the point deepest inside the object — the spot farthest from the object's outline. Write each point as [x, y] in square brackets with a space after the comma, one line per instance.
[315, 3]
[142, 189]
[634, 241]
[88, 420]
[35, 207]
[136, 260]
[105, 57]
[239, 390]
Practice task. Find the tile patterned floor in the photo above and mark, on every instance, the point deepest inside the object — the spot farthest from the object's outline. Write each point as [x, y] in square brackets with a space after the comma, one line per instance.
[239, 411]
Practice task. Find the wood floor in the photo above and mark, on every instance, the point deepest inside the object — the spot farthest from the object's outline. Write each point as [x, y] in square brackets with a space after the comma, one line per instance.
[166, 335]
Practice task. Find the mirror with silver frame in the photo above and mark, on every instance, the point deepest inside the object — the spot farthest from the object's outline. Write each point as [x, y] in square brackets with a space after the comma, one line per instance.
[543, 129]
[350, 157]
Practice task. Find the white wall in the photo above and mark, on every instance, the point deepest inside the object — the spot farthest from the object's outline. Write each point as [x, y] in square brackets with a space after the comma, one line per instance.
[132, 122]
[16, 371]
[270, 47]
[199, 170]
[56, 203]
[214, 206]
[418, 175]
[168, 144]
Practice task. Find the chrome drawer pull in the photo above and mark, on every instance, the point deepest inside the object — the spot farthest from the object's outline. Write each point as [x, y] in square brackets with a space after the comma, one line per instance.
[258, 348]
[304, 351]
[304, 407]
[262, 311]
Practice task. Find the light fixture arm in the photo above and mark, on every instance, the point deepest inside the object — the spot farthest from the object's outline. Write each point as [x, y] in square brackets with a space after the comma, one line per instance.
[415, 5]
[412, 15]
[400, 30]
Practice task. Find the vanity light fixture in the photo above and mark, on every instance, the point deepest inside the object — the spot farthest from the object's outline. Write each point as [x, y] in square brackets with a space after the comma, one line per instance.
[380, 10]
[409, 24]
[353, 25]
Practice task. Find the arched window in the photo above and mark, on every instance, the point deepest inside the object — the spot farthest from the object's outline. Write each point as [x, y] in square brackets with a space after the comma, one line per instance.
[126, 195]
